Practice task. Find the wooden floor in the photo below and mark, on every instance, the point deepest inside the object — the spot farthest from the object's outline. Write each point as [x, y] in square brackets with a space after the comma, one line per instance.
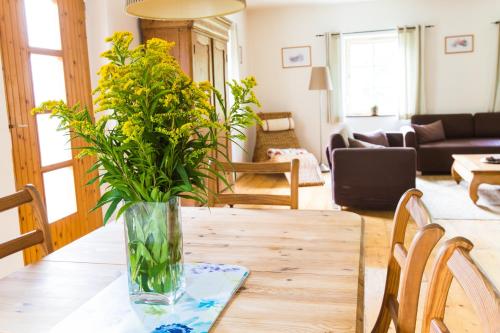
[484, 234]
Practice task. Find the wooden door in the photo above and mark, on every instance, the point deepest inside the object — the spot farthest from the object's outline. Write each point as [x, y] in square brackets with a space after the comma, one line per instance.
[44, 51]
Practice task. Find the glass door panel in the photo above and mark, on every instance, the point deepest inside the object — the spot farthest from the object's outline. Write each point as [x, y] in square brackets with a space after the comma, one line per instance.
[42, 20]
[54, 144]
[48, 78]
[60, 193]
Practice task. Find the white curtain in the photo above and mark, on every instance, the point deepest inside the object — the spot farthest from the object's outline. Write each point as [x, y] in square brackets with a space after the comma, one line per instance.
[412, 48]
[334, 62]
[495, 107]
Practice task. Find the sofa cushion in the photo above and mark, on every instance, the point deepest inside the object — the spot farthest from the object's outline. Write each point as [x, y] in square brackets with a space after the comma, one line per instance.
[436, 157]
[463, 143]
[376, 138]
[455, 125]
[432, 132]
[487, 125]
[353, 143]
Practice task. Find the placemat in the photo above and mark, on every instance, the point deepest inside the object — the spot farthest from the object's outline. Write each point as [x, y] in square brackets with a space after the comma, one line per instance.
[209, 287]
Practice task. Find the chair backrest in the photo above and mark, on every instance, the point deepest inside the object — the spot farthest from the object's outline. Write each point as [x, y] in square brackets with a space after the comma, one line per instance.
[39, 236]
[229, 198]
[454, 262]
[406, 267]
[280, 139]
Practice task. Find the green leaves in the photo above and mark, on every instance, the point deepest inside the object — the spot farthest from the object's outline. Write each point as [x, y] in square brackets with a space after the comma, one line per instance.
[154, 245]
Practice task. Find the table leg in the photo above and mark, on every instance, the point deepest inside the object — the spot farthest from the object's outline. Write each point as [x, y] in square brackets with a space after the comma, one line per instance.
[473, 187]
[455, 174]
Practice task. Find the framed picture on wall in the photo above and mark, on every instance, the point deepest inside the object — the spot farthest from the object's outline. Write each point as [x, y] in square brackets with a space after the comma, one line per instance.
[298, 56]
[459, 44]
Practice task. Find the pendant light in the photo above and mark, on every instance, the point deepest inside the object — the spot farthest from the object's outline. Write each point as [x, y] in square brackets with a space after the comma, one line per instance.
[182, 9]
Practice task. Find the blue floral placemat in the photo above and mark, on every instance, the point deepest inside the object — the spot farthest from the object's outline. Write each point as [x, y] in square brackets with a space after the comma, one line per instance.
[209, 287]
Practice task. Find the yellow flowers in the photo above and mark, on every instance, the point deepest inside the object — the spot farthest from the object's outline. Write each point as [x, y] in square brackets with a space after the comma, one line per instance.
[158, 128]
[132, 131]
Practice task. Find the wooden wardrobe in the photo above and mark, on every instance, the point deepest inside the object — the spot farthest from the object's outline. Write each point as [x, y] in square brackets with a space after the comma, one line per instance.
[201, 49]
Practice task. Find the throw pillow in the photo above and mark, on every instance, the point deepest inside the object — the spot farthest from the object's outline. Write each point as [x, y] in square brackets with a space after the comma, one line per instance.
[432, 132]
[280, 124]
[353, 143]
[376, 138]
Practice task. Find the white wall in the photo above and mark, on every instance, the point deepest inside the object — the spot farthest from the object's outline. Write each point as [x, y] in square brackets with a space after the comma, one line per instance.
[455, 83]
[103, 18]
[239, 70]
[9, 219]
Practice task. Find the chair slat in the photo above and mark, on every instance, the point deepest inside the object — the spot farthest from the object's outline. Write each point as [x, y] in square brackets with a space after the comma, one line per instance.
[253, 199]
[393, 308]
[41, 235]
[418, 212]
[14, 200]
[400, 254]
[263, 167]
[20, 243]
[437, 326]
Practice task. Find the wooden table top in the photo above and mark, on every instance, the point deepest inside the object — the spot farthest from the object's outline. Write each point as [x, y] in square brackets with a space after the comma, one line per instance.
[473, 163]
[306, 271]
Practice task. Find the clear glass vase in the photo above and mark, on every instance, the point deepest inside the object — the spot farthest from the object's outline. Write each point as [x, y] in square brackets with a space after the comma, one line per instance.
[153, 235]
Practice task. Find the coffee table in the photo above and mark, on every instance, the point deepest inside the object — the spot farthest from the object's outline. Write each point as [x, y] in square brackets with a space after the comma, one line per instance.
[471, 169]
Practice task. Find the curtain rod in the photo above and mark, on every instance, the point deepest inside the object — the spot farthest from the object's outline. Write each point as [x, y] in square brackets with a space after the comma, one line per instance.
[367, 31]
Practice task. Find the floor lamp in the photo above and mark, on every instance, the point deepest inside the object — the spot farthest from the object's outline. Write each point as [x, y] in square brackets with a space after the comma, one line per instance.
[320, 80]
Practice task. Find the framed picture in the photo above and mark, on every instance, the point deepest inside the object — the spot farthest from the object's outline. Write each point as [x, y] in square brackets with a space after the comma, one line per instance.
[299, 56]
[459, 44]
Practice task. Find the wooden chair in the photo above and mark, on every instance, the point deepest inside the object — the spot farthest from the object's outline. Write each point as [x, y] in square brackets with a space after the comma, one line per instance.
[231, 199]
[40, 236]
[454, 261]
[406, 267]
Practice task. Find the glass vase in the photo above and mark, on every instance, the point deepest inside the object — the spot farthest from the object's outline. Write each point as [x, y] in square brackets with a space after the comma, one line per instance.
[153, 235]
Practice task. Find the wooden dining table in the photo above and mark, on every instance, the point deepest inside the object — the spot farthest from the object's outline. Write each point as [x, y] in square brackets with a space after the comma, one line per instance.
[306, 271]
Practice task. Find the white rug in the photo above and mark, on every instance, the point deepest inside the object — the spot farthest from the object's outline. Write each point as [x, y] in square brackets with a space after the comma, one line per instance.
[309, 172]
[448, 201]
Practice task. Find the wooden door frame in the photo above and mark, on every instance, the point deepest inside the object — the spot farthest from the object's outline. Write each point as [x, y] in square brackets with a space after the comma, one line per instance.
[19, 97]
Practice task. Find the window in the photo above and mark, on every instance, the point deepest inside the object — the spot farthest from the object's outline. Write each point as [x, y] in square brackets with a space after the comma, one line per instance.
[371, 74]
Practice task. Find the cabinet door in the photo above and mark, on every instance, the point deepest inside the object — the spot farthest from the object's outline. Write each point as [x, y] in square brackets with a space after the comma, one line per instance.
[202, 58]
[182, 39]
[219, 52]
[220, 68]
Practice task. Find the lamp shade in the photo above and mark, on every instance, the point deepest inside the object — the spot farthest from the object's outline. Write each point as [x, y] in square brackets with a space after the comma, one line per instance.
[320, 79]
[182, 9]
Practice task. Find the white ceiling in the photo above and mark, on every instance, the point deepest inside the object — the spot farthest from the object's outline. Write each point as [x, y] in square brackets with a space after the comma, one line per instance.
[264, 3]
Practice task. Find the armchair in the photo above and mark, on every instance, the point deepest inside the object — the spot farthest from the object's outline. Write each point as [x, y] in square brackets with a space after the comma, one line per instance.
[371, 178]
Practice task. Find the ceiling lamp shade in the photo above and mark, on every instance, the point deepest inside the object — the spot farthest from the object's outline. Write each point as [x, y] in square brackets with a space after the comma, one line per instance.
[182, 9]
